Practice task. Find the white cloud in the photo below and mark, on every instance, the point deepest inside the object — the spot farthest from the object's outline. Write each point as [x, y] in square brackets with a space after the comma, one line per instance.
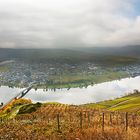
[62, 23]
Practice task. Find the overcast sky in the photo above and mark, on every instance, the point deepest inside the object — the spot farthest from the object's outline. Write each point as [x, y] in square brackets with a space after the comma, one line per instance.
[69, 23]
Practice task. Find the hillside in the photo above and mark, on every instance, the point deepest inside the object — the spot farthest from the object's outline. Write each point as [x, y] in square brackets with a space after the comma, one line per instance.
[23, 119]
[101, 55]
[129, 103]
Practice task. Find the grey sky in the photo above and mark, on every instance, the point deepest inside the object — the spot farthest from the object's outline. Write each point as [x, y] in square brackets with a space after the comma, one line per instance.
[69, 23]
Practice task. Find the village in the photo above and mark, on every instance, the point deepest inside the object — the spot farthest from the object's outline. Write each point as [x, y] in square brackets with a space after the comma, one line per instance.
[21, 74]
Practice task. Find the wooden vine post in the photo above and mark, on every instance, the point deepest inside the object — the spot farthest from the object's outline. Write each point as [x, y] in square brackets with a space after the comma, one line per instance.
[81, 121]
[103, 121]
[110, 118]
[58, 122]
[88, 119]
[126, 121]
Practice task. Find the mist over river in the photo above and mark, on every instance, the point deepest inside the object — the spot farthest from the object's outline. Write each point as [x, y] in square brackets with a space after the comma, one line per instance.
[77, 96]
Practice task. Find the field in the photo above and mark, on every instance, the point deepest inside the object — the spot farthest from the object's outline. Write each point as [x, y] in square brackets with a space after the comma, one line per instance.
[54, 121]
[83, 80]
[128, 103]
[3, 68]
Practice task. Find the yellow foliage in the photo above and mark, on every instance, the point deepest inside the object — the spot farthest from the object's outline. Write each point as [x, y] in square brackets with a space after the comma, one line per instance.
[14, 103]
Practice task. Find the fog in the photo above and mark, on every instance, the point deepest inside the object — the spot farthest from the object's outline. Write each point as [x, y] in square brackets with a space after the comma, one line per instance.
[91, 94]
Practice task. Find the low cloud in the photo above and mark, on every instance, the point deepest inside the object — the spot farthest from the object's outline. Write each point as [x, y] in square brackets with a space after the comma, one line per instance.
[65, 23]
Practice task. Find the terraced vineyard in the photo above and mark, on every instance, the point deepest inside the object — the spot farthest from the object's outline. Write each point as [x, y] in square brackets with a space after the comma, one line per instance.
[54, 121]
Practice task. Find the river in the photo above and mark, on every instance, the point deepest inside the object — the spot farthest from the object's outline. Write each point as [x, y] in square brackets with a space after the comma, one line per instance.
[77, 96]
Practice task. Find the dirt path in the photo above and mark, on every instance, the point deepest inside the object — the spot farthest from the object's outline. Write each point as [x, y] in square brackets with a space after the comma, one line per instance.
[123, 102]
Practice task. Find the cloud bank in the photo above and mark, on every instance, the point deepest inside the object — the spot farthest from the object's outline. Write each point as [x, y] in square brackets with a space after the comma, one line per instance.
[69, 23]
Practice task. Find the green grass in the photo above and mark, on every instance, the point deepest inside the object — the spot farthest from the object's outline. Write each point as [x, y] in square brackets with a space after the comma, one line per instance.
[83, 80]
[129, 103]
[3, 68]
[12, 113]
[29, 108]
[127, 107]
[110, 103]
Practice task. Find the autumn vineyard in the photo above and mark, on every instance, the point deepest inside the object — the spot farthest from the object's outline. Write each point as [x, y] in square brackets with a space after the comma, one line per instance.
[69, 122]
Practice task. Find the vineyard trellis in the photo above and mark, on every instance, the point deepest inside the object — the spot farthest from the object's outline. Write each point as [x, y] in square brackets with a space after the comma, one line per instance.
[80, 118]
[51, 121]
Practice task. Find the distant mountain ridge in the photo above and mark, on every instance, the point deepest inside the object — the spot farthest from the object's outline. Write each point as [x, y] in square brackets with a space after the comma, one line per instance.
[125, 50]
[96, 54]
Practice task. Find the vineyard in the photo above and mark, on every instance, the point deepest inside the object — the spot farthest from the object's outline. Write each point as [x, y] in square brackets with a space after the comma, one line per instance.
[68, 122]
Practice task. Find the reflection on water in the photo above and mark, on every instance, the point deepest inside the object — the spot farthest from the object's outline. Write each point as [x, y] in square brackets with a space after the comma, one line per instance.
[91, 94]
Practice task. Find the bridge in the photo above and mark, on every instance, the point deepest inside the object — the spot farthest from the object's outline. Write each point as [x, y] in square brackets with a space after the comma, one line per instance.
[18, 96]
